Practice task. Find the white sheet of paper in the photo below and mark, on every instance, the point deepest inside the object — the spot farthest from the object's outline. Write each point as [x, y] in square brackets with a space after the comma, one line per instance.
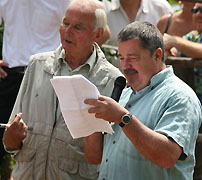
[71, 92]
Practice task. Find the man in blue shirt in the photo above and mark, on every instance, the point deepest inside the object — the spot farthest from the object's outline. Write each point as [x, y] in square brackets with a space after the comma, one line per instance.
[158, 118]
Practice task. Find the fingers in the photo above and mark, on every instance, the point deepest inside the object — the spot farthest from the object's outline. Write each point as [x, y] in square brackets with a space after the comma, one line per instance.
[18, 117]
[16, 132]
[94, 110]
[99, 115]
[98, 105]
[2, 63]
[3, 74]
[95, 102]
[18, 123]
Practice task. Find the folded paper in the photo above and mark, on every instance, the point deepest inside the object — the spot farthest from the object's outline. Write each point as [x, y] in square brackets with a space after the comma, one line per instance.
[71, 92]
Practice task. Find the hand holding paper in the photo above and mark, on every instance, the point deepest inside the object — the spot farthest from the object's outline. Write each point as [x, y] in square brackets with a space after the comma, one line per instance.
[71, 92]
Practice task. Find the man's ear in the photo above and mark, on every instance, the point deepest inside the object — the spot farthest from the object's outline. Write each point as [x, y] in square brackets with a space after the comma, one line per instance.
[102, 35]
[158, 54]
[98, 37]
[100, 32]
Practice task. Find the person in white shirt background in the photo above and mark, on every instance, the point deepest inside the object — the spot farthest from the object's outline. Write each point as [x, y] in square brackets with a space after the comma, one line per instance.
[122, 12]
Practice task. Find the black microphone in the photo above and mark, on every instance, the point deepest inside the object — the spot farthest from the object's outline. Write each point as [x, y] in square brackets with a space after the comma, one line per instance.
[119, 85]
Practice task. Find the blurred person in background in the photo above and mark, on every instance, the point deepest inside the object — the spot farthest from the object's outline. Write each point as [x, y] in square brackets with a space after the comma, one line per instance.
[122, 12]
[178, 23]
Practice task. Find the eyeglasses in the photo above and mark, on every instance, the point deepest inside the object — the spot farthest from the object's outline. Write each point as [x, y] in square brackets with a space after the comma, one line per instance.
[195, 10]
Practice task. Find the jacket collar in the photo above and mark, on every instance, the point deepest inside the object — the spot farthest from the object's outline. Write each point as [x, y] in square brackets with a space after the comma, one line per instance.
[53, 63]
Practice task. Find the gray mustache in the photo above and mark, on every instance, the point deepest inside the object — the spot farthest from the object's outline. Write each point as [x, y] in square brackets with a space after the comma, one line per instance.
[128, 71]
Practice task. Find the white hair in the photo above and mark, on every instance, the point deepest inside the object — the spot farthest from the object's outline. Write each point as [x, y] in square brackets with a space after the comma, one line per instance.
[100, 19]
[96, 7]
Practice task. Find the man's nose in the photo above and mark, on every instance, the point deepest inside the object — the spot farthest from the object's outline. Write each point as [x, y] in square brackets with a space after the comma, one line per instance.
[126, 63]
[68, 29]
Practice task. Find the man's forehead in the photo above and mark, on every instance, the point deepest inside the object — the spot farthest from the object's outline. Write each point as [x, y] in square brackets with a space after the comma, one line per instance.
[79, 17]
[130, 42]
[79, 13]
[81, 8]
[129, 54]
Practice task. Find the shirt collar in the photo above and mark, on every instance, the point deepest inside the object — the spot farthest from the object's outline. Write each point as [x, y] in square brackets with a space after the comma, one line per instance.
[90, 62]
[144, 6]
[156, 80]
[115, 4]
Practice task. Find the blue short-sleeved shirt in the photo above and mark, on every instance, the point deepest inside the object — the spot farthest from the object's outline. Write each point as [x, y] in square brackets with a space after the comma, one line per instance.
[167, 106]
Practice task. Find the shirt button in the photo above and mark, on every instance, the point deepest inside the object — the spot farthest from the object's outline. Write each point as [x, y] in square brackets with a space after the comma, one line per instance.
[106, 160]
[129, 106]
[114, 142]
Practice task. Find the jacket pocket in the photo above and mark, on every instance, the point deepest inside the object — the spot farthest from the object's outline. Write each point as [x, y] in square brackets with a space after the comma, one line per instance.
[24, 166]
[25, 155]
[82, 168]
[88, 171]
[68, 165]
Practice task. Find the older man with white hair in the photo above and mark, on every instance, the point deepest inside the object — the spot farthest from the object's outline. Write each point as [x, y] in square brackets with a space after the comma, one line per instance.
[49, 151]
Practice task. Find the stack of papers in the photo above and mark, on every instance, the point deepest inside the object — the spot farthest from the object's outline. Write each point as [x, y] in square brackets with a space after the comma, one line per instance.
[71, 92]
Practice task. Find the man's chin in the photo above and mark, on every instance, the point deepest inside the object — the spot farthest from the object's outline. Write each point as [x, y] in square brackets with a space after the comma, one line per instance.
[68, 47]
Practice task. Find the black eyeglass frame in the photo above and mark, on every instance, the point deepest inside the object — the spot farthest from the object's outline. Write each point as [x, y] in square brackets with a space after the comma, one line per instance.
[195, 10]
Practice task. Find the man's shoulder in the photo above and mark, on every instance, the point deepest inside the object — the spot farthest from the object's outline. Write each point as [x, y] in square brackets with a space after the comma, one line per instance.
[174, 88]
[104, 66]
[42, 56]
[40, 60]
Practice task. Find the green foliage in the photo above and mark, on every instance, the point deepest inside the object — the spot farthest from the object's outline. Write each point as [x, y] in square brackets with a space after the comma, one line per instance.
[173, 2]
[6, 167]
[110, 54]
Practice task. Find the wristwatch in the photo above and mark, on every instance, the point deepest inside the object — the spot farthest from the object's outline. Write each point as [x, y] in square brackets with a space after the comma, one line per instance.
[125, 120]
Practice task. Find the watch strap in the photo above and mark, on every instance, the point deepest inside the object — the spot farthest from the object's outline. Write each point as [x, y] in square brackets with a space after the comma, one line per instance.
[121, 124]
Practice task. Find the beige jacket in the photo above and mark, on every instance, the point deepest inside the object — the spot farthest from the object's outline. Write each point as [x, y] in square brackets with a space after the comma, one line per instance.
[49, 152]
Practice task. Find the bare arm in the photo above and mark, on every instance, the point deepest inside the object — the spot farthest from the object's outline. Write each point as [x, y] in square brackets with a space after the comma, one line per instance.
[93, 148]
[162, 23]
[191, 49]
[3, 74]
[154, 146]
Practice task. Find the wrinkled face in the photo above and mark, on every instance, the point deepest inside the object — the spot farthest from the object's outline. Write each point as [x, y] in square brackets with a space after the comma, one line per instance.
[76, 31]
[197, 17]
[137, 64]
